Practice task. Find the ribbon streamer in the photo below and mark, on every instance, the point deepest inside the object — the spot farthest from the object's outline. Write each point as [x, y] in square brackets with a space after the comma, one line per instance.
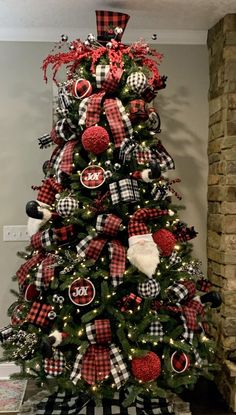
[91, 247]
[101, 357]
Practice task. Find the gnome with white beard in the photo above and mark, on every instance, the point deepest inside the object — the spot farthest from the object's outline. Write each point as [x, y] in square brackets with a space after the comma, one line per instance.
[143, 252]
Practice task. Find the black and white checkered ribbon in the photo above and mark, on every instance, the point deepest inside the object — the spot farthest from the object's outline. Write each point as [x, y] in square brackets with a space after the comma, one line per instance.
[48, 238]
[64, 99]
[54, 365]
[118, 366]
[66, 129]
[127, 148]
[83, 244]
[177, 291]
[101, 74]
[83, 111]
[156, 329]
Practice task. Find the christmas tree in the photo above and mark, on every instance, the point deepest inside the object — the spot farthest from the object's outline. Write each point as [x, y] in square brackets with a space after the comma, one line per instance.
[110, 299]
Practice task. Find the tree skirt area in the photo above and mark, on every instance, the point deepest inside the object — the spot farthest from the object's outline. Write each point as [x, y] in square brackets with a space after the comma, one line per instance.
[11, 395]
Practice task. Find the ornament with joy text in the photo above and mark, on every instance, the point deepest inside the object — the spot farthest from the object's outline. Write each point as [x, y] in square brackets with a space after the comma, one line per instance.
[81, 292]
[92, 177]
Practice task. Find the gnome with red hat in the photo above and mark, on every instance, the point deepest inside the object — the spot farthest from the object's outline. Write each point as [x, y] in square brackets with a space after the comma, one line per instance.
[143, 251]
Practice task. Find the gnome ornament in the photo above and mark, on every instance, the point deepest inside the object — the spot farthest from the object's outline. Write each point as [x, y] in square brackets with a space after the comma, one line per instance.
[143, 252]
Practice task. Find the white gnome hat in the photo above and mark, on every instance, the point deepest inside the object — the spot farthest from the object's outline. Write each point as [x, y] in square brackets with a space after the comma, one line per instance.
[143, 252]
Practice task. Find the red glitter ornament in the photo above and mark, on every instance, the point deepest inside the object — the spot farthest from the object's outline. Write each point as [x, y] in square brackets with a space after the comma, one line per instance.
[165, 241]
[95, 139]
[146, 368]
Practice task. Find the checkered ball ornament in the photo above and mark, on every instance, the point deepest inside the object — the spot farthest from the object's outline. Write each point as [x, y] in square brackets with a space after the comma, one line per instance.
[137, 82]
[67, 206]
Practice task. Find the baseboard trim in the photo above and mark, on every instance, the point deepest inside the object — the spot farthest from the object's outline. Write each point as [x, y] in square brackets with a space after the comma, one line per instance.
[7, 369]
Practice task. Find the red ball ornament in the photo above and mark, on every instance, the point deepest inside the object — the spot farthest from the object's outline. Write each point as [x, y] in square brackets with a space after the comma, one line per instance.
[81, 88]
[146, 368]
[95, 139]
[165, 241]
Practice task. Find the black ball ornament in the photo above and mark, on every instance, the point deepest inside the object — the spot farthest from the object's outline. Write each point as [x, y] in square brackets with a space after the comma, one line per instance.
[154, 36]
[64, 38]
[32, 210]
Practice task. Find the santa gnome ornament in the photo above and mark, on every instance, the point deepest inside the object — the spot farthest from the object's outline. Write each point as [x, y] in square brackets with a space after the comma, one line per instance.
[143, 252]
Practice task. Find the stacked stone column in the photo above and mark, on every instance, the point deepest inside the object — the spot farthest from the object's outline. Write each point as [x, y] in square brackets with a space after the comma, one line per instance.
[222, 195]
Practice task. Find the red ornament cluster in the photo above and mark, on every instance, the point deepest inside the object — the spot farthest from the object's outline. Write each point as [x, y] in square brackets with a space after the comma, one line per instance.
[146, 368]
[165, 241]
[95, 139]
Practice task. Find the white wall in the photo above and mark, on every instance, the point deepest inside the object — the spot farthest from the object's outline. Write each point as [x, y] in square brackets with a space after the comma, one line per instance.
[26, 113]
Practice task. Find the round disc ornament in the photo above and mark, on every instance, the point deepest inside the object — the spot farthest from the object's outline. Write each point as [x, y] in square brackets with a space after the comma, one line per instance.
[81, 292]
[92, 177]
[17, 317]
[179, 361]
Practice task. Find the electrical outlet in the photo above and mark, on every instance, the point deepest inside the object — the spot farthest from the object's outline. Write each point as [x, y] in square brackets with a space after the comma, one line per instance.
[15, 233]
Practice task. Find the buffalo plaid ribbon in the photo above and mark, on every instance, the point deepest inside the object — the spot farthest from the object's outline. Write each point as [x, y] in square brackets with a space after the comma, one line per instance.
[149, 93]
[189, 314]
[106, 79]
[54, 365]
[38, 314]
[45, 272]
[137, 224]
[101, 358]
[167, 163]
[156, 329]
[66, 403]
[65, 129]
[137, 110]
[119, 122]
[91, 247]
[25, 268]
[182, 233]
[129, 302]
[204, 285]
[182, 290]
[66, 164]
[64, 99]
[48, 191]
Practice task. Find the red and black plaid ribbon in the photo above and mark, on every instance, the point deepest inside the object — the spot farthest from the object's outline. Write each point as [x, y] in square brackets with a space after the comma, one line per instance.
[38, 314]
[25, 268]
[107, 226]
[137, 224]
[129, 302]
[66, 164]
[48, 191]
[191, 311]
[183, 233]
[45, 272]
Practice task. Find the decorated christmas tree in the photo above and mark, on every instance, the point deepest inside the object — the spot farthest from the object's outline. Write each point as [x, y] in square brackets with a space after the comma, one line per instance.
[112, 309]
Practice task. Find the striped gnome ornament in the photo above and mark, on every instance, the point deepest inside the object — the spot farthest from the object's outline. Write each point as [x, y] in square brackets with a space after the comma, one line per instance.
[143, 252]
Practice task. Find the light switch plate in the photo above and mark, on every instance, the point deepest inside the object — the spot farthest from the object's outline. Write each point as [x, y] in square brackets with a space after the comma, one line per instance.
[15, 233]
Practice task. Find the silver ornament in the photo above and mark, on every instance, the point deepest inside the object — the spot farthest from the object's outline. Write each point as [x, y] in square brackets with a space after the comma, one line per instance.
[64, 38]
[87, 43]
[118, 30]
[154, 36]
[71, 47]
[117, 166]
[108, 174]
[108, 163]
[109, 45]
[91, 38]
[52, 315]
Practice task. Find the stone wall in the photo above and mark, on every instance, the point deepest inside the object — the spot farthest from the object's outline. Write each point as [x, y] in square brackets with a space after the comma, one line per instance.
[222, 194]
